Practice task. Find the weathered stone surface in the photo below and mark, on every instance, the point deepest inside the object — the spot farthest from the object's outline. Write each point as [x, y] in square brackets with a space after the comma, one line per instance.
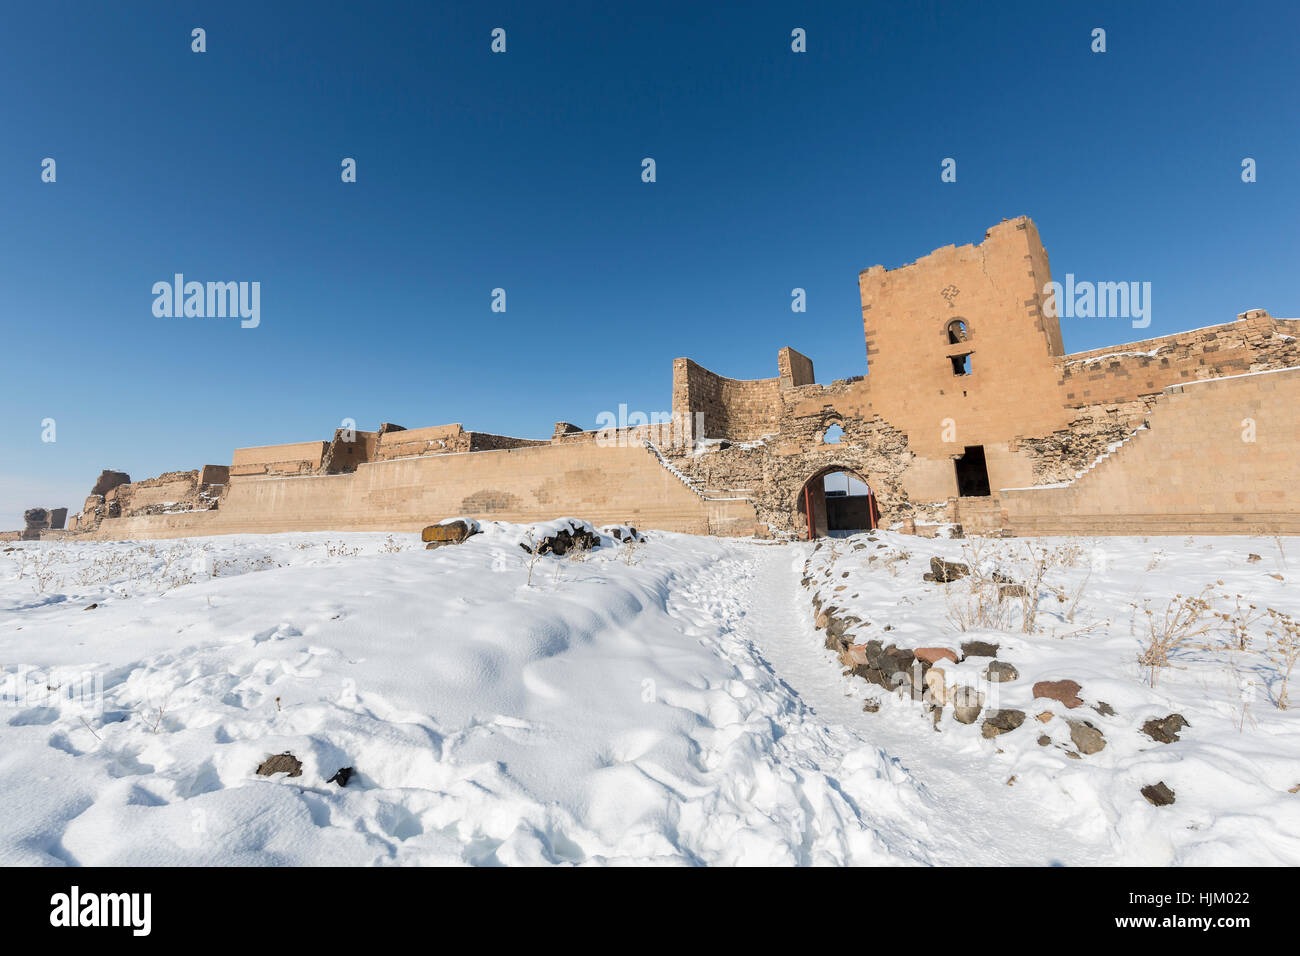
[453, 532]
[1065, 691]
[1158, 794]
[1001, 722]
[1000, 672]
[281, 763]
[1006, 591]
[1165, 730]
[1087, 738]
[109, 480]
[932, 655]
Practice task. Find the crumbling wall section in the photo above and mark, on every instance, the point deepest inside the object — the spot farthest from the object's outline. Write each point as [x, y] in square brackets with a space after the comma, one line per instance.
[1256, 342]
[732, 409]
[1094, 429]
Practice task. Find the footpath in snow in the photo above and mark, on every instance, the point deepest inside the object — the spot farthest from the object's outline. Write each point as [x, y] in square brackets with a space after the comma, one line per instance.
[668, 702]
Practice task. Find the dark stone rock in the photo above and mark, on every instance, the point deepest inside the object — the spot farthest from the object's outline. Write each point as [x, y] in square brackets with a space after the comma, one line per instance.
[889, 667]
[1104, 709]
[1001, 722]
[565, 540]
[979, 649]
[1165, 730]
[1044, 740]
[1158, 795]
[281, 763]
[342, 776]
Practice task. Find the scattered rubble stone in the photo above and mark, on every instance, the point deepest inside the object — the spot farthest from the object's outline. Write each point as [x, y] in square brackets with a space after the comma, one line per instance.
[1044, 740]
[1104, 709]
[979, 649]
[886, 667]
[1086, 737]
[1044, 717]
[1165, 730]
[1000, 672]
[1252, 558]
[1065, 691]
[933, 655]
[1001, 722]
[452, 532]
[967, 704]
[281, 763]
[943, 571]
[870, 706]
[1158, 795]
[565, 540]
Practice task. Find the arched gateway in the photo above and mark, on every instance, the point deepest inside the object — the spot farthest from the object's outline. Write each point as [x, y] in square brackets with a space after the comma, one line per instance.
[824, 510]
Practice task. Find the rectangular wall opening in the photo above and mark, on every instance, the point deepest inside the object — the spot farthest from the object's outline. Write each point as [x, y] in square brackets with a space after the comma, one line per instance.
[972, 473]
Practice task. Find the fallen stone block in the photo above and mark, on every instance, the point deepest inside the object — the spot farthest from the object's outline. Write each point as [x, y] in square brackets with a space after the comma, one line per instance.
[280, 763]
[453, 531]
[1158, 794]
[1087, 738]
[1165, 729]
[1002, 721]
[1065, 691]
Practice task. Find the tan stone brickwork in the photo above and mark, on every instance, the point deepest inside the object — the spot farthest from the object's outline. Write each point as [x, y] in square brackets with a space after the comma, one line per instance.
[960, 353]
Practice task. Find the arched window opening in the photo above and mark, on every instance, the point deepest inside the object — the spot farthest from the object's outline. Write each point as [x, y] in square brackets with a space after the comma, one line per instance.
[957, 331]
[834, 435]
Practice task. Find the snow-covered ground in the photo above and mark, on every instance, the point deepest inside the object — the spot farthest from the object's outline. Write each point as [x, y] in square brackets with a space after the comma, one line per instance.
[670, 702]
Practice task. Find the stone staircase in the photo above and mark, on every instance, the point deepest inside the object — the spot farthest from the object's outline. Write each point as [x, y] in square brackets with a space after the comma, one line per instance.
[705, 494]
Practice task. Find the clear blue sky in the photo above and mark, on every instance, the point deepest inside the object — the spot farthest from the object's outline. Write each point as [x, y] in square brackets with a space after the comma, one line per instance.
[523, 171]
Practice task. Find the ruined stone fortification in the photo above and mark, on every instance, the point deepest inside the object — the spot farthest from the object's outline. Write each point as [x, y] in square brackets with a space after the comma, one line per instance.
[968, 411]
